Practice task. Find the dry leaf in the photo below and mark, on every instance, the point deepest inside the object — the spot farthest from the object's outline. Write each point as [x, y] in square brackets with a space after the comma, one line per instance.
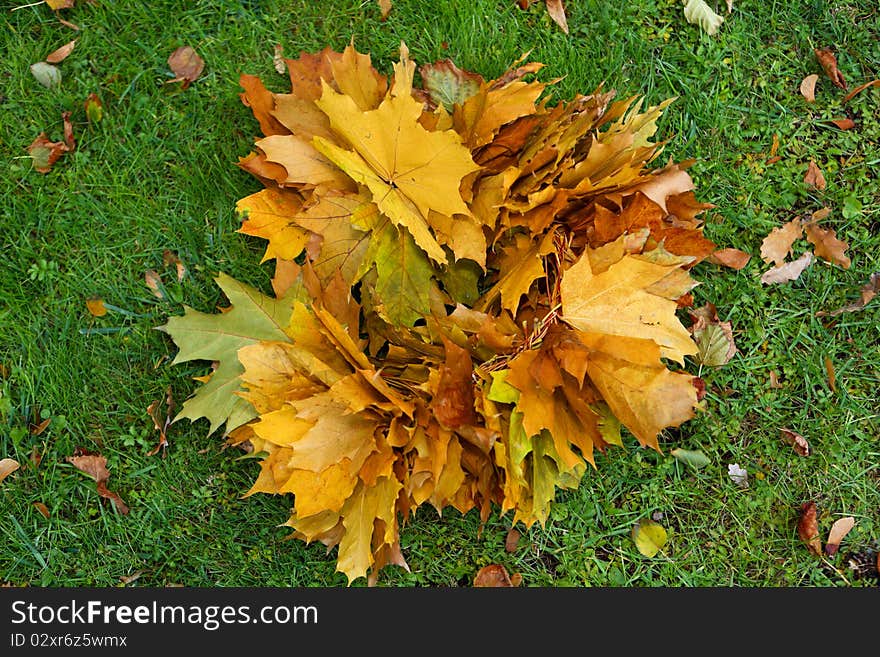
[95, 466]
[869, 291]
[829, 370]
[96, 307]
[776, 247]
[839, 529]
[94, 108]
[45, 153]
[714, 338]
[738, 475]
[827, 246]
[495, 575]
[814, 177]
[55, 5]
[61, 53]
[808, 87]
[733, 258]
[844, 124]
[278, 59]
[46, 74]
[860, 88]
[154, 282]
[790, 271]
[512, 539]
[829, 65]
[557, 13]
[800, 444]
[820, 214]
[385, 8]
[698, 12]
[160, 423]
[7, 467]
[808, 528]
[170, 258]
[42, 508]
[39, 428]
[774, 380]
[186, 65]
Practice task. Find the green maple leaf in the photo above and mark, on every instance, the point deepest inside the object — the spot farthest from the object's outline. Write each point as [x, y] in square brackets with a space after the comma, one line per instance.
[217, 338]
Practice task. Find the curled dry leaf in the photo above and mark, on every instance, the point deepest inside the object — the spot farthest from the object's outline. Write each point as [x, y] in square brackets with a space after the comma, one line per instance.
[96, 307]
[385, 8]
[796, 440]
[776, 247]
[154, 282]
[832, 377]
[42, 508]
[829, 65]
[700, 13]
[839, 529]
[95, 466]
[808, 528]
[714, 338]
[774, 380]
[512, 539]
[45, 153]
[826, 244]
[738, 475]
[7, 467]
[808, 87]
[814, 176]
[869, 291]
[790, 271]
[729, 257]
[557, 13]
[495, 575]
[860, 88]
[844, 124]
[186, 65]
[170, 258]
[60, 54]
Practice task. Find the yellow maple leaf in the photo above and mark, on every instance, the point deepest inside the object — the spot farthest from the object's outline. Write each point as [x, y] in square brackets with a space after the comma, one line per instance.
[267, 215]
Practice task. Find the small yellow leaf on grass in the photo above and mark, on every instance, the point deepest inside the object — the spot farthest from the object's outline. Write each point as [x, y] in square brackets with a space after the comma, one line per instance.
[649, 536]
[7, 467]
[96, 307]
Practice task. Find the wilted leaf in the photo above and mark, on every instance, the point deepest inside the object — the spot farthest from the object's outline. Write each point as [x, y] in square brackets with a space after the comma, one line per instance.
[844, 124]
[494, 575]
[169, 259]
[385, 8]
[40, 427]
[774, 380]
[869, 291]
[814, 176]
[186, 65]
[699, 13]
[733, 258]
[42, 508]
[827, 246]
[94, 108]
[512, 539]
[45, 153]
[649, 536]
[808, 528]
[95, 466]
[829, 371]
[839, 529]
[557, 12]
[714, 338]
[800, 444]
[61, 53]
[829, 65]
[96, 307]
[790, 271]
[693, 457]
[738, 475]
[448, 85]
[7, 467]
[776, 247]
[860, 88]
[46, 74]
[154, 282]
[808, 87]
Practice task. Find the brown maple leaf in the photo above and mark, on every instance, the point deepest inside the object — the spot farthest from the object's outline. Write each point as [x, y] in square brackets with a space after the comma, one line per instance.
[95, 466]
[186, 65]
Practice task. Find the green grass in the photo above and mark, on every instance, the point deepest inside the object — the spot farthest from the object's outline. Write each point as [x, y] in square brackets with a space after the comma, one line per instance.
[159, 172]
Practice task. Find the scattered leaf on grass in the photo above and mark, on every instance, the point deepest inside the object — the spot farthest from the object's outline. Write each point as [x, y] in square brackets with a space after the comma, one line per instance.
[796, 440]
[844, 124]
[154, 282]
[385, 8]
[161, 424]
[278, 59]
[738, 475]
[186, 65]
[7, 467]
[495, 575]
[729, 257]
[46, 74]
[860, 88]
[869, 291]
[40, 427]
[774, 380]
[714, 338]
[820, 214]
[649, 536]
[839, 529]
[829, 65]
[826, 244]
[693, 457]
[808, 87]
[699, 13]
[557, 13]
[832, 377]
[814, 176]
[96, 307]
[42, 508]
[776, 247]
[95, 466]
[128, 579]
[55, 5]
[59, 55]
[94, 108]
[512, 539]
[170, 258]
[808, 528]
[790, 271]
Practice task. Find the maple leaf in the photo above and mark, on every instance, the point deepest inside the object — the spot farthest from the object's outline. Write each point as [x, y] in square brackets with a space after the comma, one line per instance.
[186, 65]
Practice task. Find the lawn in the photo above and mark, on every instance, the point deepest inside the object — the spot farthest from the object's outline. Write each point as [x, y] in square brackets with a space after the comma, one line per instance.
[156, 180]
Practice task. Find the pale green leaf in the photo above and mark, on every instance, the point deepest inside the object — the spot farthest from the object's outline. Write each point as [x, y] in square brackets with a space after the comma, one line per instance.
[693, 457]
[699, 13]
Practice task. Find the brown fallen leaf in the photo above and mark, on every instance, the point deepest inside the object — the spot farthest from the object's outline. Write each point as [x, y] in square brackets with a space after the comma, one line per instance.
[796, 440]
[45, 153]
[826, 244]
[844, 124]
[774, 380]
[512, 539]
[7, 467]
[829, 65]
[495, 575]
[154, 282]
[37, 429]
[42, 508]
[869, 291]
[278, 59]
[729, 257]
[776, 247]
[860, 88]
[96, 307]
[61, 53]
[95, 466]
[169, 258]
[832, 377]
[820, 214]
[128, 579]
[186, 65]
[161, 424]
[808, 87]
[55, 5]
[814, 176]
[808, 528]
[385, 8]
[790, 271]
[839, 529]
[557, 13]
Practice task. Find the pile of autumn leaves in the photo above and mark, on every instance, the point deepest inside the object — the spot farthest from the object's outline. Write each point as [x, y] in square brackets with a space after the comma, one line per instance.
[474, 290]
